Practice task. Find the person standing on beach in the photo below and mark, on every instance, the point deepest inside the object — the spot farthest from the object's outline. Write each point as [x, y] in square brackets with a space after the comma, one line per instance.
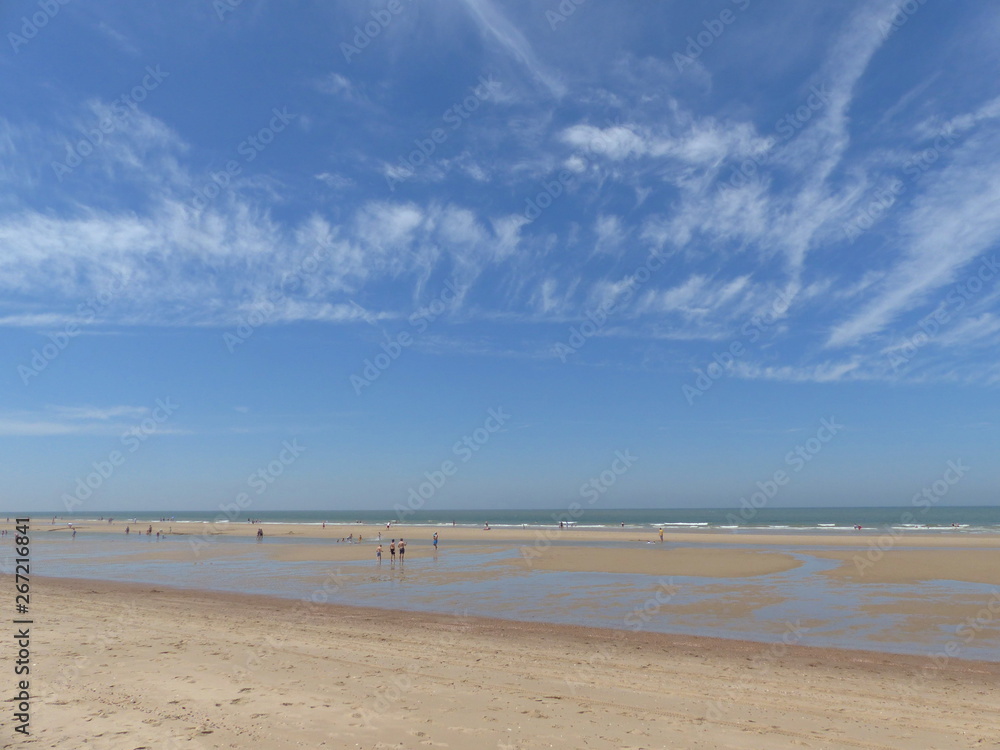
[661, 535]
[435, 541]
[392, 551]
[378, 554]
[402, 550]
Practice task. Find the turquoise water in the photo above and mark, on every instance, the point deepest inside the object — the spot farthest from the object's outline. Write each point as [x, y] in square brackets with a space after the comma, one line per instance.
[970, 519]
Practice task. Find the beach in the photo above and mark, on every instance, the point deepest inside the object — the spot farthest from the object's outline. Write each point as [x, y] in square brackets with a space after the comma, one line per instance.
[123, 666]
[512, 638]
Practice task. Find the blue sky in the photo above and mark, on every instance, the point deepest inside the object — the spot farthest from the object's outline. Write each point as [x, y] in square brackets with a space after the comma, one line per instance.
[689, 231]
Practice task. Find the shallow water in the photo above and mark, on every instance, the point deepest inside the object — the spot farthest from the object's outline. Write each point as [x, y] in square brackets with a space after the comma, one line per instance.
[797, 606]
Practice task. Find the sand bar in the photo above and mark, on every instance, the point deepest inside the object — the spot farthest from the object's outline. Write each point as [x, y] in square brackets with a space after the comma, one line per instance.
[662, 560]
[912, 566]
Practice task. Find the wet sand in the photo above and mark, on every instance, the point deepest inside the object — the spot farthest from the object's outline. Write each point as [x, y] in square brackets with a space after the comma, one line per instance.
[913, 566]
[662, 560]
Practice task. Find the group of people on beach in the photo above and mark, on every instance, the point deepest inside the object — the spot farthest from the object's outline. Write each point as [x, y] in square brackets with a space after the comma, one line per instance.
[392, 551]
[149, 531]
[400, 547]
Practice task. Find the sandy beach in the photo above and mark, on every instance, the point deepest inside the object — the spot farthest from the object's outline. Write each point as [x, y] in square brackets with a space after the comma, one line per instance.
[123, 666]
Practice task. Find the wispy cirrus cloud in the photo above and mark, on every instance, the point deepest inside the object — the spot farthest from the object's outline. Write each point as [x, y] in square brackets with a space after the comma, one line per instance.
[495, 25]
[81, 421]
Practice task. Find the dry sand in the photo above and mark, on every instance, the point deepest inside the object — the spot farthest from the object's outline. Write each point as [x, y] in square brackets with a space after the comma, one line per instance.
[124, 667]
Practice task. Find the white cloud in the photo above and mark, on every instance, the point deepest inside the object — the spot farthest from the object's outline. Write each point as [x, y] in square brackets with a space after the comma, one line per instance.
[495, 25]
[955, 220]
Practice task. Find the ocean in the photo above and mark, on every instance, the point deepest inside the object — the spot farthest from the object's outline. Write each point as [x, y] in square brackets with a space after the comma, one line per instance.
[966, 519]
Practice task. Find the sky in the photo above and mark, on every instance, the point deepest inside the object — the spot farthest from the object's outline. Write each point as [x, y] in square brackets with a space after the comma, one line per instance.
[342, 255]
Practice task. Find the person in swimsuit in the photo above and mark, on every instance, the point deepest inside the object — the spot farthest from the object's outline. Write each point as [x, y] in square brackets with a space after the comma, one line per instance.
[378, 554]
[402, 550]
[392, 551]
[435, 541]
